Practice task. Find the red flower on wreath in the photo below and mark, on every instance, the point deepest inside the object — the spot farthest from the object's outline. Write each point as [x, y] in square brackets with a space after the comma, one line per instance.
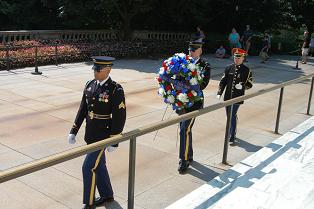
[168, 88]
[179, 104]
[159, 79]
[190, 94]
[194, 73]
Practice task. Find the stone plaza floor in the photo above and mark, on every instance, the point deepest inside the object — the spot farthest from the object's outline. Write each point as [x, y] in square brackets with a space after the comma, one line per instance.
[37, 112]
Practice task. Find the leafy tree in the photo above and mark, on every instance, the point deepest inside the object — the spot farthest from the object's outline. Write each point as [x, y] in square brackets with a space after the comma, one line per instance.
[127, 10]
[24, 15]
[299, 13]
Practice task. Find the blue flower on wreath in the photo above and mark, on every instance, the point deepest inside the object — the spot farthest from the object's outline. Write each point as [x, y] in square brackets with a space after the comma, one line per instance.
[185, 70]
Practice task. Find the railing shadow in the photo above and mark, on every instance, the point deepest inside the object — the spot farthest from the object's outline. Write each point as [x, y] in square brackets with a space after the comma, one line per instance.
[246, 145]
[201, 172]
[111, 205]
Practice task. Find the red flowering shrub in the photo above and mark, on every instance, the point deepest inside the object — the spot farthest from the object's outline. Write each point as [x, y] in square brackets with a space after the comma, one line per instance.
[22, 53]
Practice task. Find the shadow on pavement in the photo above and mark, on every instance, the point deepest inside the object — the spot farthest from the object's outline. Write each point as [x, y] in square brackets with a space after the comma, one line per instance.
[111, 205]
[202, 172]
[246, 145]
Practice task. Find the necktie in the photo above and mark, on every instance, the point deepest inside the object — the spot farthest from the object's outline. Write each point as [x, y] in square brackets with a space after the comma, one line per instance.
[97, 87]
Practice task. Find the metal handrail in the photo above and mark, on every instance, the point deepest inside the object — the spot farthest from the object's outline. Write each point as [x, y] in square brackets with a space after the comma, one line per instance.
[51, 160]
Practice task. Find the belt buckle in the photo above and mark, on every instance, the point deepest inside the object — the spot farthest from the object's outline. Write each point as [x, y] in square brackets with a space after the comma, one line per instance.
[91, 115]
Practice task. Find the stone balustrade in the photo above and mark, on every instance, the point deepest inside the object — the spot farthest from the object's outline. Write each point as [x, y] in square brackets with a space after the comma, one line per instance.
[68, 35]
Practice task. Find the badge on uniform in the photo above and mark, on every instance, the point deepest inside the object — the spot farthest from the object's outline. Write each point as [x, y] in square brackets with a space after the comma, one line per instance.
[122, 105]
[89, 89]
[104, 97]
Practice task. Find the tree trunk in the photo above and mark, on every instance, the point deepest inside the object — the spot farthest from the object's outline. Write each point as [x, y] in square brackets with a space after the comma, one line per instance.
[127, 33]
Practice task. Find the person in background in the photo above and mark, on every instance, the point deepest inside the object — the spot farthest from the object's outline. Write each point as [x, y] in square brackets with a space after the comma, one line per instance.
[246, 39]
[221, 52]
[200, 33]
[265, 47]
[234, 40]
[312, 46]
[269, 37]
[305, 47]
[236, 79]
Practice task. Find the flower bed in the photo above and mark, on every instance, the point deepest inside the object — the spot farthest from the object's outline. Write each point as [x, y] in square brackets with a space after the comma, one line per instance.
[22, 53]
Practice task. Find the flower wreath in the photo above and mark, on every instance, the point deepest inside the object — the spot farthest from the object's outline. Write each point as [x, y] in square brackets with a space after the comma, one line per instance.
[179, 81]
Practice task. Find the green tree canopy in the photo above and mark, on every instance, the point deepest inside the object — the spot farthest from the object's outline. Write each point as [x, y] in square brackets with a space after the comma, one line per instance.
[167, 15]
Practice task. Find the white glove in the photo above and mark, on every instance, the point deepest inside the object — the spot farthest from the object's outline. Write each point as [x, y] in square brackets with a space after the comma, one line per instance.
[111, 148]
[239, 86]
[218, 96]
[71, 138]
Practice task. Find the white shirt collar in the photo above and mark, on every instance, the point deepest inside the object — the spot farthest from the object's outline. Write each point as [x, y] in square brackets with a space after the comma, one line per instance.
[196, 60]
[102, 82]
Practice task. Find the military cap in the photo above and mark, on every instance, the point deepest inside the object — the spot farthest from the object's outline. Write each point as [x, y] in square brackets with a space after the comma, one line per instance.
[237, 52]
[101, 62]
[195, 43]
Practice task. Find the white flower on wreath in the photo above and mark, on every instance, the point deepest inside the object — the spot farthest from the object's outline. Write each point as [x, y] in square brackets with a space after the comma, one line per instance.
[183, 98]
[194, 93]
[181, 55]
[193, 81]
[161, 70]
[161, 91]
[191, 66]
[171, 99]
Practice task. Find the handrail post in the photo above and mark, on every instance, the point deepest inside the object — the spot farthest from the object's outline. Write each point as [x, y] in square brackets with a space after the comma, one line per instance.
[56, 54]
[36, 72]
[132, 154]
[7, 57]
[227, 135]
[279, 110]
[310, 98]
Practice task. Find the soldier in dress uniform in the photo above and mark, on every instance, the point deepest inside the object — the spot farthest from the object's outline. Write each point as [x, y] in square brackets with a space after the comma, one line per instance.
[236, 79]
[186, 149]
[103, 108]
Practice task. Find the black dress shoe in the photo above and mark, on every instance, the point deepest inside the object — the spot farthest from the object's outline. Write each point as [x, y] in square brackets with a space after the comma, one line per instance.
[183, 165]
[101, 200]
[232, 139]
[89, 206]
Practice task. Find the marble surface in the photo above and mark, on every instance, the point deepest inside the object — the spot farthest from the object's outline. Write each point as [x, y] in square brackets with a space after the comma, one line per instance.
[281, 175]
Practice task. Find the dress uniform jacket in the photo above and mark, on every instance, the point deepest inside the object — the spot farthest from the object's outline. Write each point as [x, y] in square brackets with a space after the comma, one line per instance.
[233, 75]
[103, 107]
[199, 104]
